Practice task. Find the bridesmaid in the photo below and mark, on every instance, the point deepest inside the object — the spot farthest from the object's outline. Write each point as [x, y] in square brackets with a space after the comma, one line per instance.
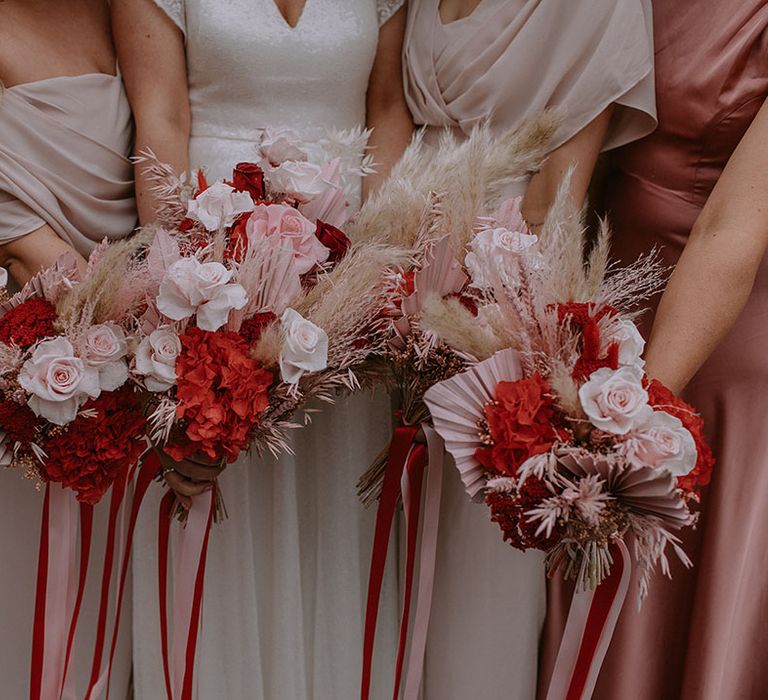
[698, 188]
[65, 183]
[466, 61]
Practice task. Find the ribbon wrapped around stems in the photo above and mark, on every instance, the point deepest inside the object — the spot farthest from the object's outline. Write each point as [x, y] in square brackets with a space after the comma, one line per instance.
[404, 476]
[591, 622]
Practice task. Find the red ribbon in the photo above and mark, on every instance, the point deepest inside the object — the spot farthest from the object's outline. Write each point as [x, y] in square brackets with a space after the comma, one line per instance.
[402, 452]
[165, 518]
[38, 631]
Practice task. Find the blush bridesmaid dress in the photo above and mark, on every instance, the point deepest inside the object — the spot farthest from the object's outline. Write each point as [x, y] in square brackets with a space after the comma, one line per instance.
[63, 162]
[704, 634]
[508, 60]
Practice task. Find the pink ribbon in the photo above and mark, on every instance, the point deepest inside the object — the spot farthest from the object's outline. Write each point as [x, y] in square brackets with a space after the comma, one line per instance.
[427, 560]
[591, 622]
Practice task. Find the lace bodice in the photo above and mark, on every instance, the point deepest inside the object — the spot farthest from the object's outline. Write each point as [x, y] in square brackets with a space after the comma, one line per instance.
[249, 69]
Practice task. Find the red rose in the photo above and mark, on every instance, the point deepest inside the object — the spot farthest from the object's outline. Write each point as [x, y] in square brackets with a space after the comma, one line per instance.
[221, 393]
[663, 399]
[520, 423]
[508, 511]
[333, 239]
[92, 452]
[27, 323]
[249, 177]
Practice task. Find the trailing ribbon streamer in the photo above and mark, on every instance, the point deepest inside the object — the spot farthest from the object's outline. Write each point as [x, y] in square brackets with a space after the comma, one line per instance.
[427, 560]
[591, 622]
[188, 584]
[55, 597]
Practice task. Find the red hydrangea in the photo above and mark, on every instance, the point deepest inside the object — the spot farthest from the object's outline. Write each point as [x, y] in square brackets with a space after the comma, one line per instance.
[663, 399]
[92, 452]
[27, 323]
[18, 421]
[521, 423]
[221, 393]
[508, 511]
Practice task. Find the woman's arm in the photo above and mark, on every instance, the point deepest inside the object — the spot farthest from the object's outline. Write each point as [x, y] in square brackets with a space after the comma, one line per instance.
[716, 272]
[26, 256]
[388, 114]
[150, 49]
[580, 152]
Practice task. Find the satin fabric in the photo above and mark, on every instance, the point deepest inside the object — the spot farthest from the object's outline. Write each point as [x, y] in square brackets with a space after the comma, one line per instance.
[509, 60]
[287, 572]
[512, 58]
[63, 162]
[702, 635]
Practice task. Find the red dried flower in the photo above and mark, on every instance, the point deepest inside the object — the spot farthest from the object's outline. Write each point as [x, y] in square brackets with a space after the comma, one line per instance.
[221, 392]
[92, 452]
[28, 322]
[237, 243]
[508, 511]
[18, 421]
[585, 317]
[663, 399]
[252, 328]
[332, 238]
[520, 423]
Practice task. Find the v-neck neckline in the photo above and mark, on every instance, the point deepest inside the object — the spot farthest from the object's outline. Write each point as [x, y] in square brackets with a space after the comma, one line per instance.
[284, 19]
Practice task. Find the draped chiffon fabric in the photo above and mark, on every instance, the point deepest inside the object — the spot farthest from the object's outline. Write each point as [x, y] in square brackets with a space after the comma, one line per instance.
[63, 162]
[287, 571]
[508, 60]
[703, 635]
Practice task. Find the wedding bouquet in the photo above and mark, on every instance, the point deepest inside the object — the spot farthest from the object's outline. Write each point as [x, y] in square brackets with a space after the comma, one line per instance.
[67, 412]
[554, 424]
[430, 205]
[256, 302]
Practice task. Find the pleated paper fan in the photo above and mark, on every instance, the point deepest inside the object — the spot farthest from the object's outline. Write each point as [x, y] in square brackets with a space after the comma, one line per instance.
[457, 406]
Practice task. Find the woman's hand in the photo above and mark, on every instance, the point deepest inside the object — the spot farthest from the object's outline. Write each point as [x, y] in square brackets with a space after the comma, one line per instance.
[189, 477]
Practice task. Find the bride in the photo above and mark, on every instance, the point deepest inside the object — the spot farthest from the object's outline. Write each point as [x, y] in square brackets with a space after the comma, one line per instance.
[287, 572]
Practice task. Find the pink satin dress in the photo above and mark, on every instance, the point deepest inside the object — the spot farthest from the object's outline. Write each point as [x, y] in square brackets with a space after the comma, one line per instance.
[704, 634]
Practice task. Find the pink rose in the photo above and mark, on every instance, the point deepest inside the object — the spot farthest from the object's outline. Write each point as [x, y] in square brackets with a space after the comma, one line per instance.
[219, 206]
[662, 442]
[104, 347]
[615, 400]
[156, 359]
[58, 381]
[280, 145]
[291, 227]
[631, 343]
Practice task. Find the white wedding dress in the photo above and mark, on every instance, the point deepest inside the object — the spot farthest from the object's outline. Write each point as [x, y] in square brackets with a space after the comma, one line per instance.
[287, 572]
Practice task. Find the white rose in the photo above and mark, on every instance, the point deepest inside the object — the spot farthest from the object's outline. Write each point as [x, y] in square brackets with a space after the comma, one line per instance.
[631, 343]
[156, 359]
[662, 442]
[58, 381]
[219, 206]
[300, 180]
[615, 400]
[498, 249]
[190, 286]
[104, 347]
[305, 347]
[279, 145]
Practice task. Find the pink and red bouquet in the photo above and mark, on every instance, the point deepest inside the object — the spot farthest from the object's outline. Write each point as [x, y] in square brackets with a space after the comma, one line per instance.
[554, 423]
[254, 301]
[67, 412]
